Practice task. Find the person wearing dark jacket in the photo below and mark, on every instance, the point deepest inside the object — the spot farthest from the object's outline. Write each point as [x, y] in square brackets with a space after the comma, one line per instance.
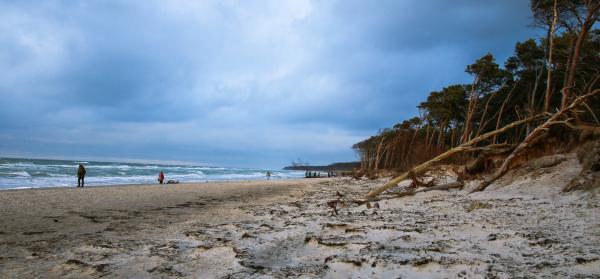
[80, 175]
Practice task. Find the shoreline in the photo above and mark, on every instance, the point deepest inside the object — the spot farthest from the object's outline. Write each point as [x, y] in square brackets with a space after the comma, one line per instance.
[155, 184]
[24, 173]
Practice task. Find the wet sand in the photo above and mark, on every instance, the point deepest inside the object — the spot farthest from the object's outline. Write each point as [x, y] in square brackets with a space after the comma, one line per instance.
[522, 227]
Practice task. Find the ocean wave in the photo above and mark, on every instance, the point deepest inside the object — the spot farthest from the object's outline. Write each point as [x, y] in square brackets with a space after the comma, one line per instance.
[186, 176]
[124, 167]
[17, 174]
[60, 166]
[212, 168]
[60, 173]
[107, 167]
[18, 165]
[36, 167]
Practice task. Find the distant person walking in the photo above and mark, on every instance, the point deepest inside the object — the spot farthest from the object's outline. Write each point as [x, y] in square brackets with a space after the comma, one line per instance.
[161, 177]
[80, 175]
[268, 175]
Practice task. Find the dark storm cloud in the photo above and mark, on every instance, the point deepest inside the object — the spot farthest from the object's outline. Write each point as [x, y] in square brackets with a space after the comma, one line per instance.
[232, 83]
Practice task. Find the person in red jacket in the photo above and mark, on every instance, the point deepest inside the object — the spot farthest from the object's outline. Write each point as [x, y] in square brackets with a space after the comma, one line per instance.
[161, 177]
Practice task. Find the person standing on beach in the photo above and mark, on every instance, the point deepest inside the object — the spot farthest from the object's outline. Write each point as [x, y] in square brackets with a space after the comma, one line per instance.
[161, 177]
[80, 175]
[268, 175]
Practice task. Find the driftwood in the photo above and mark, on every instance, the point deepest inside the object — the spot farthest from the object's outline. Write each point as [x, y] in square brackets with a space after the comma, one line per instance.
[417, 181]
[448, 186]
[334, 203]
[532, 137]
[422, 168]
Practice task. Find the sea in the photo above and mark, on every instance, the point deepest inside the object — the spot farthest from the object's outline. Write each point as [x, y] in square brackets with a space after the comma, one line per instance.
[17, 173]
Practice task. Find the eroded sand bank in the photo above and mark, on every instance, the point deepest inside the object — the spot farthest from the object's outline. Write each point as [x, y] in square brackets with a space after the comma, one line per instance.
[522, 226]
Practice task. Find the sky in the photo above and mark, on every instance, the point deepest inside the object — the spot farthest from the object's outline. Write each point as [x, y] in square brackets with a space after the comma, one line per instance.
[232, 83]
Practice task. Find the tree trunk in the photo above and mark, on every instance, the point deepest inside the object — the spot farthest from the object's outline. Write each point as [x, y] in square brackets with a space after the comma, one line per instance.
[432, 136]
[442, 134]
[378, 154]
[452, 137]
[502, 108]
[412, 141]
[427, 136]
[590, 19]
[548, 94]
[481, 121]
[538, 77]
[470, 111]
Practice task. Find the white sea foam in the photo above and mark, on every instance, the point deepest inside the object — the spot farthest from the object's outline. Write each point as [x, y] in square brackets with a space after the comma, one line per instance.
[19, 173]
[19, 165]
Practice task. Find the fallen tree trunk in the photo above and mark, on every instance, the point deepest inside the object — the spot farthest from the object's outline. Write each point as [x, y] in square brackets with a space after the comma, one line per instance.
[532, 137]
[448, 186]
[467, 146]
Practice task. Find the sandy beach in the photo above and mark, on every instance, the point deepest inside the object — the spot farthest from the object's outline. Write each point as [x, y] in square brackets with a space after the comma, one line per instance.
[521, 227]
[56, 232]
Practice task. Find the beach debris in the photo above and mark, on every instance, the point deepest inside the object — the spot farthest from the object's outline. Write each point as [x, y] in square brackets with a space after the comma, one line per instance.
[421, 261]
[333, 205]
[341, 201]
[251, 265]
[247, 235]
[353, 262]
[452, 185]
[102, 268]
[333, 241]
[76, 262]
[335, 225]
[37, 232]
[584, 260]
[165, 269]
[477, 205]
[418, 181]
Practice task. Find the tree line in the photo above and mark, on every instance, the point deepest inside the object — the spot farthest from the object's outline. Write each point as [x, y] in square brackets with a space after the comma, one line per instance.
[543, 75]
